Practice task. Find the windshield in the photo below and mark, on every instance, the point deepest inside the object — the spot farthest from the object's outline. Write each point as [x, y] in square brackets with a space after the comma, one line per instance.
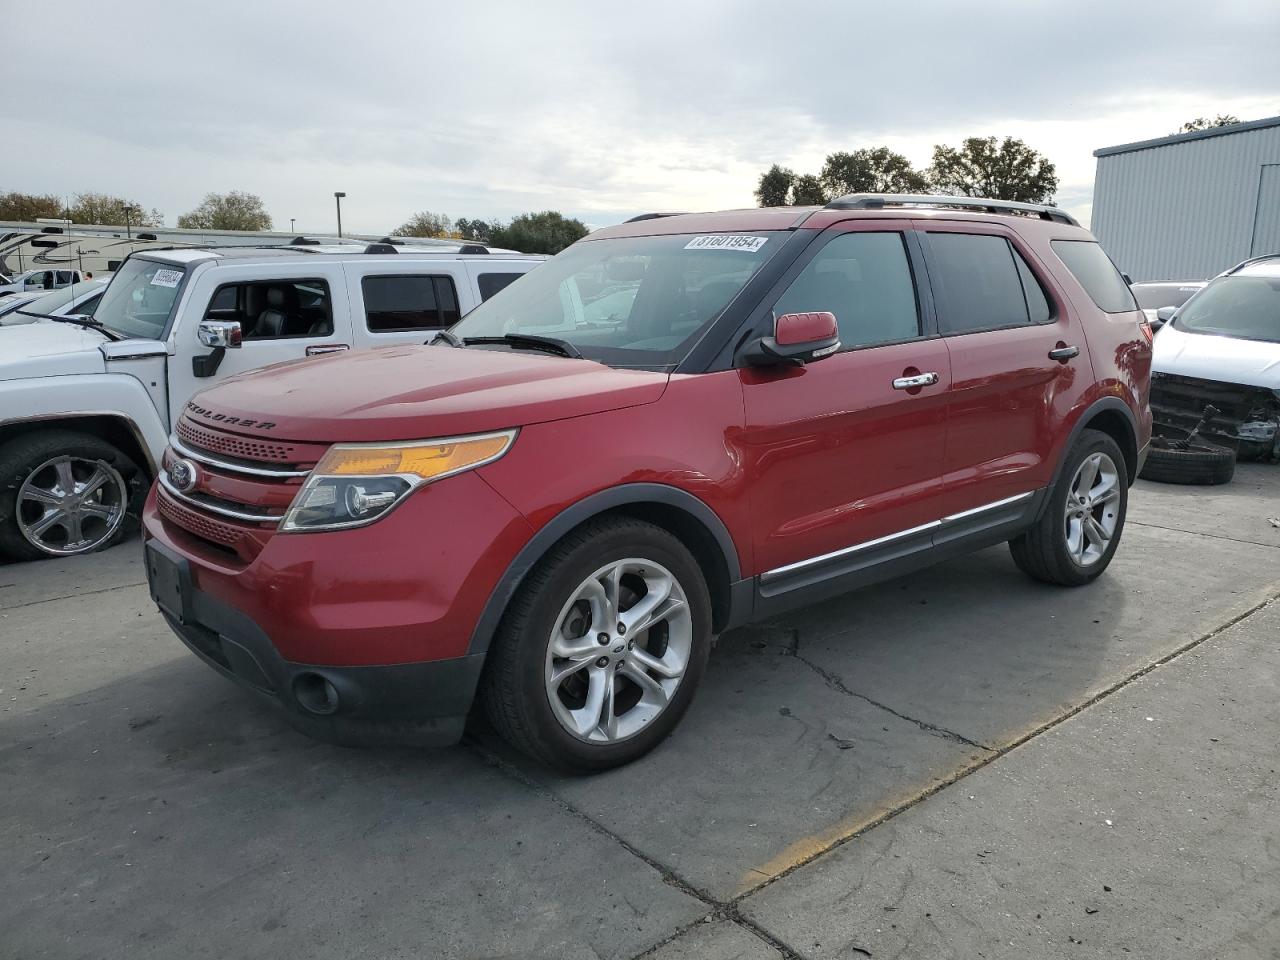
[629, 301]
[140, 298]
[50, 302]
[1153, 296]
[1243, 307]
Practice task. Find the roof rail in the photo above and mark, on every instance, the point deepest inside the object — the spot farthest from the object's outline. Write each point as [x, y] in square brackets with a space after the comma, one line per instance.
[654, 216]
[1244, 263]
[878, 201]
[473, 248]
[303, 242]
[380, 248]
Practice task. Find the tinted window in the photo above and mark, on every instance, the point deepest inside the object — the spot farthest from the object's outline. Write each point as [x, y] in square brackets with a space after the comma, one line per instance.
[1037, 302]
[408, 303]
[275, 309]
[865, 280]
[491, 283]
[979, 282]
[1097, 274]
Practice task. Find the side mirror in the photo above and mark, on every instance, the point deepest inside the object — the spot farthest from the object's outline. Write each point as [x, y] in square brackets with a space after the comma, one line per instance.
[798, 338]
[220, 334]
[1163, 316]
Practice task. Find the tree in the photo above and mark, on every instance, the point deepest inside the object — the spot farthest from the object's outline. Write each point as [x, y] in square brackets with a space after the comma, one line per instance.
[774, 188]
[424, 224]
[981, 167]
[472, 229]
[116, 211]
[1204, 123]
[227, 211]
[545, 232]
[872, 170]
[807, 190]
[29, 206]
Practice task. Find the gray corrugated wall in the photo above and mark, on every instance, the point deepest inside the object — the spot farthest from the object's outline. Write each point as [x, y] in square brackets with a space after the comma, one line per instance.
[1184, 211]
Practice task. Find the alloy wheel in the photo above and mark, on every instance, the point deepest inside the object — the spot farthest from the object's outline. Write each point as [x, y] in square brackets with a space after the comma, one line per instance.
[1092, 509]
[69, 505]
[618, 650]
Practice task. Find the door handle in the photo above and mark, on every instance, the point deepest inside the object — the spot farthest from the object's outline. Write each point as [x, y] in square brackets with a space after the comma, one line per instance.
[919, 380]
[1064, 353]
[316, 349]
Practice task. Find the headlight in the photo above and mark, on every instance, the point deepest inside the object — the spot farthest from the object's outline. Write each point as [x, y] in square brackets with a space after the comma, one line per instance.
[357, 483]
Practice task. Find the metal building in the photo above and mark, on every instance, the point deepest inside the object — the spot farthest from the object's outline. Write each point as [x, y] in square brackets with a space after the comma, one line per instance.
[1188, 206]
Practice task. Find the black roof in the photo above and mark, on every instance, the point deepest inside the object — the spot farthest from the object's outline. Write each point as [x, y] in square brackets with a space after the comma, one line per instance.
[1187, 137]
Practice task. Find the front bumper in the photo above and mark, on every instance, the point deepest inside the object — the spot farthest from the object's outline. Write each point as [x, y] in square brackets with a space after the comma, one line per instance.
[417, 704]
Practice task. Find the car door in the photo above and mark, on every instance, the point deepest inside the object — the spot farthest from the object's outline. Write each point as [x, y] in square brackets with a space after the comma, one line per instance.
[404, 302]
[845, 454]
[286, 312]
[1019, 362]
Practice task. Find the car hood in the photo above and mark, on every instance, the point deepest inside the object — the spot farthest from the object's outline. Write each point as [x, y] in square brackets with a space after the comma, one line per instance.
[1210, 357]
[417, 392]
[47, 348]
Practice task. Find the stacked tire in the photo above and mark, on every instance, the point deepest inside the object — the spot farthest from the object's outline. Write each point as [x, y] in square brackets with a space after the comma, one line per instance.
[1196, 462]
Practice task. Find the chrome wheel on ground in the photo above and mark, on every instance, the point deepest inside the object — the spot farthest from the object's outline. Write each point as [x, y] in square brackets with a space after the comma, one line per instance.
[1092, 509]
[69, 505]
[618, 650]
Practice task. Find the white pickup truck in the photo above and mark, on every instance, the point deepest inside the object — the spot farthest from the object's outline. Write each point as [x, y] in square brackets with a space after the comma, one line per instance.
[86, 404]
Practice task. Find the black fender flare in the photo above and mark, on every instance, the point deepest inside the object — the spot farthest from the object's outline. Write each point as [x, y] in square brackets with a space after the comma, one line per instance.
[578, 513]
[1104, 404]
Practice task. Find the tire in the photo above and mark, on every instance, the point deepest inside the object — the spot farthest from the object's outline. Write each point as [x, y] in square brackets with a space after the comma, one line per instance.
[1204, 463]
[1049, 551]
[519, 683]
[30, 464]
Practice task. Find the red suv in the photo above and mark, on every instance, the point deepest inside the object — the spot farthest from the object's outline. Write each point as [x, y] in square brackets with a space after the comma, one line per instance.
[678, 425]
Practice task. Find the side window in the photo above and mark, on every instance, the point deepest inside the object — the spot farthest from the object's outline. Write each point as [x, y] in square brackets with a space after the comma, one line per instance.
[412, 302]
[1090, 265]
[491, 283]
[1037, 301]
[865, 280]
[979, 281]
[275, 309]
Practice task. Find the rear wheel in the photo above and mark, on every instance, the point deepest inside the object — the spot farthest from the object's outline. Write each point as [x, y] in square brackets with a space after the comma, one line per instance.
[63, 493]
[1080, 527]
[599, 654]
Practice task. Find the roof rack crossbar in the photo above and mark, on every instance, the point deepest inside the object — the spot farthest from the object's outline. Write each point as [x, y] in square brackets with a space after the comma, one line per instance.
[878, 201]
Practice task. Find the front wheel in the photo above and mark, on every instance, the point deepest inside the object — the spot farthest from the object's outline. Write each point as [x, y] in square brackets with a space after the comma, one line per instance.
[1079, 529]
[62, 493]
[599, 654]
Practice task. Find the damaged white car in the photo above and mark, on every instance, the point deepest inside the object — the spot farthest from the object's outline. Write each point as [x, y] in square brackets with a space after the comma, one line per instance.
[1221, 349]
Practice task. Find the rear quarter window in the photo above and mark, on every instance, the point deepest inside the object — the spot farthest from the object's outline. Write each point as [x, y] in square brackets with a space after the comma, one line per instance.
[491, 283]
[1090, 265]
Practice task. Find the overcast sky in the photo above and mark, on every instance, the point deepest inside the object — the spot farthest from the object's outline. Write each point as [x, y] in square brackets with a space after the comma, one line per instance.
[598, 109]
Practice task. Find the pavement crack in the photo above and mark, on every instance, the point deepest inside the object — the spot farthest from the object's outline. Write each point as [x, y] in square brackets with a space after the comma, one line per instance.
[1198, 533]
[72, 596]
[835, 683]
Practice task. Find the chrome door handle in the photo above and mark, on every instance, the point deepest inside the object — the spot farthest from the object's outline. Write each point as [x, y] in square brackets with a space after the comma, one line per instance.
[319, 349]
[1063, 354]
[919, 380]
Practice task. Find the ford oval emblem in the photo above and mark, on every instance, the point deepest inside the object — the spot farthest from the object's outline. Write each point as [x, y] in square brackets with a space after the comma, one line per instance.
[184, 475]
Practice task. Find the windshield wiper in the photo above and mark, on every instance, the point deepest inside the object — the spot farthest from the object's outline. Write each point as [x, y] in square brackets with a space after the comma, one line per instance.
[531, 342]
[448, 338]
[75, 321]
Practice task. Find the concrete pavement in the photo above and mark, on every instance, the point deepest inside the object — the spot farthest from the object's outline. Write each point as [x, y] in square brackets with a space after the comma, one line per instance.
[149, 808]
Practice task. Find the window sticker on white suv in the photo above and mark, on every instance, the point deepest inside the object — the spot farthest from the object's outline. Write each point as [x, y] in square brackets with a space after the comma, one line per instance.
[721, 241]
[166, 278]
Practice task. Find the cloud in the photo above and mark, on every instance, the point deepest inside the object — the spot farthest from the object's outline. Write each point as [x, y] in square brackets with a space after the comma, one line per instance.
[599, 109]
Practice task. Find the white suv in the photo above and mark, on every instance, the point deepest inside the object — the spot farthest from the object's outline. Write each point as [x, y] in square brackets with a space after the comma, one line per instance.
[86, 405]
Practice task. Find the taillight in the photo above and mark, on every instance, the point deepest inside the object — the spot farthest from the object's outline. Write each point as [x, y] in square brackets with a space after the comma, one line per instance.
[1145, 326]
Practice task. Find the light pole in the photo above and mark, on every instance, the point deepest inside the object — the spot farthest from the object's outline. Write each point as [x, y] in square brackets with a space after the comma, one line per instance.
[337, 198]
[291, 219]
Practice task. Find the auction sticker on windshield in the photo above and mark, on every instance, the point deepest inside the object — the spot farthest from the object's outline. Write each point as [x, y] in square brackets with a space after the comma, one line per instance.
[723, 241]
[166, 278]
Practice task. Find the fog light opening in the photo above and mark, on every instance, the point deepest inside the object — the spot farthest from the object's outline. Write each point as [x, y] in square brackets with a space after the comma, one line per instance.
[315, 694]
